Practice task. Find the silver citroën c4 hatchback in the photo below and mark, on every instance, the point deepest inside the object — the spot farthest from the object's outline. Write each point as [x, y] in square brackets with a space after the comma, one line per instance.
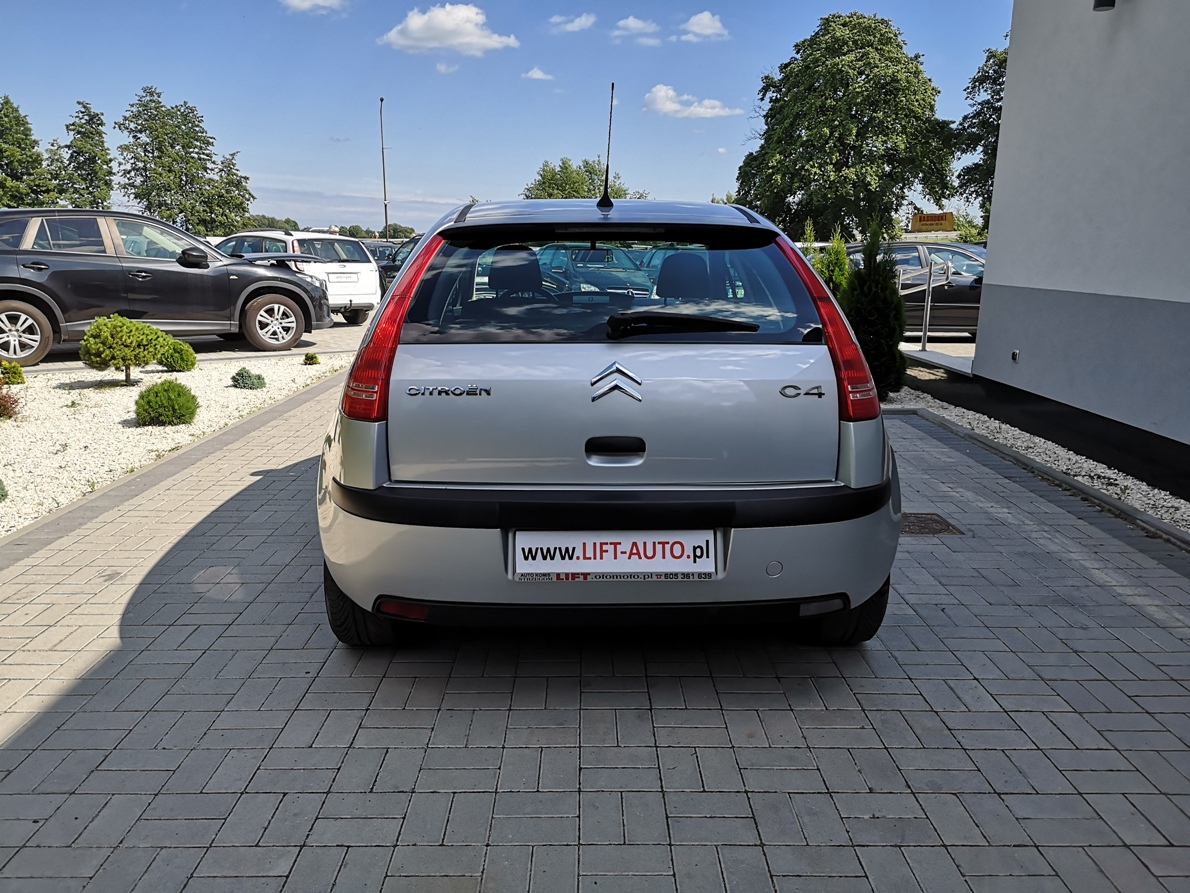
[705, 446]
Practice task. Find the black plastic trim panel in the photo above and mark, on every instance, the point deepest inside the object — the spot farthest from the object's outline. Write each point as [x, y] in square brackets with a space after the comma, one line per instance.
[607, 509]
[658, 614]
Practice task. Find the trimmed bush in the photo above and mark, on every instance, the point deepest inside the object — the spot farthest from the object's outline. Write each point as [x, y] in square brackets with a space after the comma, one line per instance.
[877, 315]
[10, 403]
[112, 342]
[3, 491]
[833, 266]
[177, 356]
[311, 359]
[11, 372]
[247, 379]
[166, 403]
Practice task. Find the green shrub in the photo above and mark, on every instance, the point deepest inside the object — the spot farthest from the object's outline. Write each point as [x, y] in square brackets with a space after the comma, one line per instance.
[112, 342]
[177, 356]
[832, 264]
[311, 359]
[11, 372]
[166, 403]
[877, 315]
[246, 379]
[3, 491]
[10, 403]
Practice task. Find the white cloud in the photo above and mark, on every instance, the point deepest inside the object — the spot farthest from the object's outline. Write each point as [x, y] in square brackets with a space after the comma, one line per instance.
[446, 68]
[664, 100]
[313, 5]
[640, 30]
[536, 74]
[572, 23]
[721, 151]
[453, 26]
[704, 26]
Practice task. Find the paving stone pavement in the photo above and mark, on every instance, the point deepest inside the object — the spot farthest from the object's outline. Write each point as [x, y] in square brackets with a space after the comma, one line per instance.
[177, 716]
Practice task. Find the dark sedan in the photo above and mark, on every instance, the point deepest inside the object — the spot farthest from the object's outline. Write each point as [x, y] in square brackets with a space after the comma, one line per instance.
[957, 282]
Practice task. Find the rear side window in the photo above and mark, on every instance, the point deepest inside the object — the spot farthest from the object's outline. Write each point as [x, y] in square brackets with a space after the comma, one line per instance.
[335, 250]
[11, 231]
[566, 292]
[79, 234]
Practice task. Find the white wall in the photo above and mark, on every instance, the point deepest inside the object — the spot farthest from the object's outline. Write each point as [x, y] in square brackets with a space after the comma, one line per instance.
[1089, 247]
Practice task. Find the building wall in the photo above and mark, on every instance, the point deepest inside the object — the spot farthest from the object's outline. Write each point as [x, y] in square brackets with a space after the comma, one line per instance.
[1089, 245]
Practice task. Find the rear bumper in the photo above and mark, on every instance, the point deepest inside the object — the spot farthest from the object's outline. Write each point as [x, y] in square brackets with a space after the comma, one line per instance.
[610, 508]
[457, 569]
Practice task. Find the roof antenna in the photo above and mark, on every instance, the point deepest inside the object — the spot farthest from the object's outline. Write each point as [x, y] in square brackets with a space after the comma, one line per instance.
[605, 202]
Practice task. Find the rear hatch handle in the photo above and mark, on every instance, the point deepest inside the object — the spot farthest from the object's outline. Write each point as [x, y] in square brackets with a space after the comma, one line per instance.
[619, 451]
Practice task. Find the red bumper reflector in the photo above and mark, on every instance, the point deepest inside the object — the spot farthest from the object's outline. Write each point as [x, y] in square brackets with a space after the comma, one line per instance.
[403, 610]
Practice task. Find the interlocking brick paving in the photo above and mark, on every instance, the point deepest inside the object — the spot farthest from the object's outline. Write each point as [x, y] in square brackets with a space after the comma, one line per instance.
[177, 716]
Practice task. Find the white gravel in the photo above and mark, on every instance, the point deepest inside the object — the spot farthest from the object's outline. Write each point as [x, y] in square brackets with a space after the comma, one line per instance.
[77, 430]
[1107, 480]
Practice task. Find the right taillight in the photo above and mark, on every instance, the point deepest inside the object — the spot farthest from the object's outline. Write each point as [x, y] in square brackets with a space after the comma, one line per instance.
[858, 401]
[365, 396]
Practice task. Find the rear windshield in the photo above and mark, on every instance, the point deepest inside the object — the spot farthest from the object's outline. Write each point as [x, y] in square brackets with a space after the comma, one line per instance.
[567, 291]
[335, 250]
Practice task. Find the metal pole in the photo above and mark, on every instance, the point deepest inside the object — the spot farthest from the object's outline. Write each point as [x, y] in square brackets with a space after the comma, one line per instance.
[383, 171]
[925, 316]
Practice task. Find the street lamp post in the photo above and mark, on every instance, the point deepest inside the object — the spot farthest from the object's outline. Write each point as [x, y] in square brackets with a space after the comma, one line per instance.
[383, 171]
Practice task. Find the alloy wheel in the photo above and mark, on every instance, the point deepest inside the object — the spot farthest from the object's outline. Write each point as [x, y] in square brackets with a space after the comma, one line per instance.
[20, 335]
[276, 323]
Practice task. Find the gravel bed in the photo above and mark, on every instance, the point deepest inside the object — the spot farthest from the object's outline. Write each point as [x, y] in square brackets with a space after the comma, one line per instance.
[77, 431]
[1114, 483]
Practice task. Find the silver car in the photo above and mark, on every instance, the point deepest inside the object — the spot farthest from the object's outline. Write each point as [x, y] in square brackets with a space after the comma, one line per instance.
[710, 448]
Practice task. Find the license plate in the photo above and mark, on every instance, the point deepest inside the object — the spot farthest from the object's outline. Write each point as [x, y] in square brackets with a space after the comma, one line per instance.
[603, 555]
[344, 277]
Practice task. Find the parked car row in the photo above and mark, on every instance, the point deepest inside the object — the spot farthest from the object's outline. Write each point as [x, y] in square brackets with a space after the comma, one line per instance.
[348, 271]
[954, 272]
[62, 268]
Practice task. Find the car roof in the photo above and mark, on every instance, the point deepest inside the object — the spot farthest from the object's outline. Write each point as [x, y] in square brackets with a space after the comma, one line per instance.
[292, 233]
[577, 218]
[90, 212]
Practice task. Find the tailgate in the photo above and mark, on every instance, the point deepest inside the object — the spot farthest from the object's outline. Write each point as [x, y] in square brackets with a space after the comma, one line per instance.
[567, 414]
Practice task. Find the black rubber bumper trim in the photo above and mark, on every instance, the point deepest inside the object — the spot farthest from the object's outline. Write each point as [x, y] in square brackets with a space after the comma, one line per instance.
[655, 614]
[610, 509]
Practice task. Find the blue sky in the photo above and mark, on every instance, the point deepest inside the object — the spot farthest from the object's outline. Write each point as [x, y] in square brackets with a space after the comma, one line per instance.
[477, 95]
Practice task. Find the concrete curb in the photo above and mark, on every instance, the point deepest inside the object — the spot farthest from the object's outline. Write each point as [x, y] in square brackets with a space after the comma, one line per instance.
[63, 521]
[1173, 535]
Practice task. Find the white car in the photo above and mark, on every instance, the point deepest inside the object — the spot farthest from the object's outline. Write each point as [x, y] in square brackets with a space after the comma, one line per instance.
[349, 273]
[512, 448]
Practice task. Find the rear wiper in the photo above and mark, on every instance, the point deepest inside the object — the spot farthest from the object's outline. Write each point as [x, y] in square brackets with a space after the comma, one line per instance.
[653, 322]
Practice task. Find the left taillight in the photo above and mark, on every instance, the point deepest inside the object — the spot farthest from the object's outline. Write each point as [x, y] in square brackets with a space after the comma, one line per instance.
[365, 396]
[858, 400]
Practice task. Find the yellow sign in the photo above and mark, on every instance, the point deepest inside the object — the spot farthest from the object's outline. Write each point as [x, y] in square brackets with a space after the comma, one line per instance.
[932, 223]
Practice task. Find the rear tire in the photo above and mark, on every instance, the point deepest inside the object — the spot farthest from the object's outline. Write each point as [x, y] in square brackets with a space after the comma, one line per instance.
[355, 317]
[273, 322]
[850, 627]
[25, 334]
[350, 623]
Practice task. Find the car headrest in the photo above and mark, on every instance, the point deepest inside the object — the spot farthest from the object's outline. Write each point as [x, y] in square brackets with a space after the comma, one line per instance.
[684, 275]
[514, 268]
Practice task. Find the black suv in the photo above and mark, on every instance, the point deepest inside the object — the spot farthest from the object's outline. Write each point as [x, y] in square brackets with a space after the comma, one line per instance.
[61, 268]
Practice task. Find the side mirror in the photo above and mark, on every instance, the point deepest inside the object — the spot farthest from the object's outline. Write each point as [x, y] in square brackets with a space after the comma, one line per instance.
[193, 257]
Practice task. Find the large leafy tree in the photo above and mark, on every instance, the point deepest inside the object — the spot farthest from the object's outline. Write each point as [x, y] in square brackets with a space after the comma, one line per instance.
[849, 130]
[978, 131]
[24, 180]
[82, 168]
[168, 168]
[583, 180]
